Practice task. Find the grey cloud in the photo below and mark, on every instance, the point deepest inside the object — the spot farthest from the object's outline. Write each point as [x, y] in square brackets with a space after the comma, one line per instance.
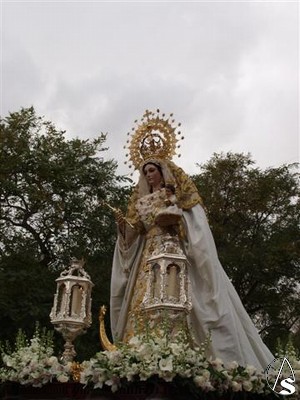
[227, 70]
[22, 82]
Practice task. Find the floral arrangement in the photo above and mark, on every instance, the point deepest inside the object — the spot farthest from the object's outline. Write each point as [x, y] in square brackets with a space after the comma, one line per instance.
[145, 358]
[32, 362]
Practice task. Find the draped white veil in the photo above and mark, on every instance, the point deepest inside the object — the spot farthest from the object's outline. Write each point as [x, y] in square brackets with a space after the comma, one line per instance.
[216, 306]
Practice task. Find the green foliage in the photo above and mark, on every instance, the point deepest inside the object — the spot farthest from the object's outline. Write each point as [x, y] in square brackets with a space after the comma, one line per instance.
[287, 349]
[254, 216]
[22, 339]
[52, 194]
[52, 190]
[26, 291]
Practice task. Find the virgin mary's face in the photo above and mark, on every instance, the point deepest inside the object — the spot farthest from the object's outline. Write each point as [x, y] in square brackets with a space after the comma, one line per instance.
[152, 175]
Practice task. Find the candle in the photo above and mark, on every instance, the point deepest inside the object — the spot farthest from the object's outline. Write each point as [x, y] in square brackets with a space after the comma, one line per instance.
[156, 282]
[76, 300]
[172, 282]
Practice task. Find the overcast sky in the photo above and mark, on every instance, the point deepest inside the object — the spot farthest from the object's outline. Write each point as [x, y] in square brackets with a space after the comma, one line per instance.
[229, 71]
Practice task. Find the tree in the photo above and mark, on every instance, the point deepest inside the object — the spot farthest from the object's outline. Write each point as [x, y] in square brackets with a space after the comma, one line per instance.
[52, 208]
[254, 216]
[52, 190]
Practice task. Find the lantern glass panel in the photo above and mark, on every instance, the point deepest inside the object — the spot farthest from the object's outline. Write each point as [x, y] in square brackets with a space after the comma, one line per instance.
[172, 285]
[76, 300]
[156, 281]
[60, 298]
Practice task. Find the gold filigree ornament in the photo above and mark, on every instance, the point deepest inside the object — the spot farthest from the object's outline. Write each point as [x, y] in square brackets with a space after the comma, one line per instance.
[154, 136]
[76, 369]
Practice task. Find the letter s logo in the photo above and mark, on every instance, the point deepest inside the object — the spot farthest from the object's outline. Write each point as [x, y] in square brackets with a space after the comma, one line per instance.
[275, 375]
[286, 383]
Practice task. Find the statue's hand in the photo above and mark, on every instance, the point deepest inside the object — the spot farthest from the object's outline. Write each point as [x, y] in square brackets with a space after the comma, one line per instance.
[120, 219]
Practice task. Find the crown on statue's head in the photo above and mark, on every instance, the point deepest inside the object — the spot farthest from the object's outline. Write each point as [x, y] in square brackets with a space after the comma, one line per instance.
[154, 137]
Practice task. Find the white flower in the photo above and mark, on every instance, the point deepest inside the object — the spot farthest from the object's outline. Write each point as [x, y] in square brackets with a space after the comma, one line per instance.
[232, 365]
[296, 364]
[62, 378]
[145, 350]
[176, 349]
[206, 374]
[236, 386]
[297, 374]
[227, 375]
[250, 369]
[248, 386]
[217, 363]
[134, 341]
[166, 364]
[98, 385]
[114, 356]
[52, 361]
[203, 382]
[199, 380]
[114, 382]
[167, 376]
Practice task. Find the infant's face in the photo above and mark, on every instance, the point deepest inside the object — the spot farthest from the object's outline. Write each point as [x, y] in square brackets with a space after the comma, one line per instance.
[168, 192]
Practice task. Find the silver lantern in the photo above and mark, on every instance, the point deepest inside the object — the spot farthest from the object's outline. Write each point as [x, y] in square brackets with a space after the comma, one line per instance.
[71, 311]
[167, 283]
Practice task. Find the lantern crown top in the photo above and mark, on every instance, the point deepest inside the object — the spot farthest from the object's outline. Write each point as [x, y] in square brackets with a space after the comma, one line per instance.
[76, 268]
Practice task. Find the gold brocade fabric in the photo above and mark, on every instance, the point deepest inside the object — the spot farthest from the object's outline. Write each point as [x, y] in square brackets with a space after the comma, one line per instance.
[132, 215]
[146, 210]
[186, 193]
[134, 321]
[141, 214]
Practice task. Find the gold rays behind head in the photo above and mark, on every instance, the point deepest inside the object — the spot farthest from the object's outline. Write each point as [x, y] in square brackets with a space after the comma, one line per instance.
[153, 137]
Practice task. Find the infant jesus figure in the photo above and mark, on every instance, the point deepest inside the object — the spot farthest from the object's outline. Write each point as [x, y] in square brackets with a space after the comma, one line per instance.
[171, 213]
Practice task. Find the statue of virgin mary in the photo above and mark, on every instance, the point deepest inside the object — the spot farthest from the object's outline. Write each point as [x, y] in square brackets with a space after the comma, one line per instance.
[216, 308]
